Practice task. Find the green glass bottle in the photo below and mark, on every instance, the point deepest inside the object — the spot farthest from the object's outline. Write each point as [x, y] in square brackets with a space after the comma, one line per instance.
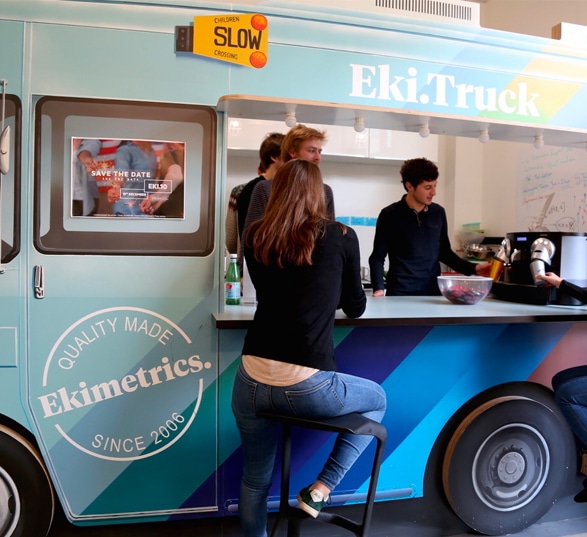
[233, 283]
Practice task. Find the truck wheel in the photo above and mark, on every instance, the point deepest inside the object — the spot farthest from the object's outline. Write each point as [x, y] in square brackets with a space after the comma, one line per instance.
[507, 461]
[26, 496]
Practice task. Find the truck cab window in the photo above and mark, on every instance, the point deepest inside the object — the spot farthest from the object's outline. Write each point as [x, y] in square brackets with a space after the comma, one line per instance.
[10, 182]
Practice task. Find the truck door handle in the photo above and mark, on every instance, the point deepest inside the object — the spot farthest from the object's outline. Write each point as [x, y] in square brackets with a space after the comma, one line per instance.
[39, 281]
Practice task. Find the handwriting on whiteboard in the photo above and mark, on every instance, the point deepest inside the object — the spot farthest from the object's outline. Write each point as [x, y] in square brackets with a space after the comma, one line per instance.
[552, 189]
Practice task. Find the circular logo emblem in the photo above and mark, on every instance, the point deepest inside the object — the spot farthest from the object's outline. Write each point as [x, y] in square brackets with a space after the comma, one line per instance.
[122, 384]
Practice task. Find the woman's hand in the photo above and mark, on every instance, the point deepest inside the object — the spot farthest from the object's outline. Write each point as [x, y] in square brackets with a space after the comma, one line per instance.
[551, 278]
[483, 269]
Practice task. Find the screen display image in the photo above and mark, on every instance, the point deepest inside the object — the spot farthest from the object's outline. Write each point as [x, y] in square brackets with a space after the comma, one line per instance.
[128, 178]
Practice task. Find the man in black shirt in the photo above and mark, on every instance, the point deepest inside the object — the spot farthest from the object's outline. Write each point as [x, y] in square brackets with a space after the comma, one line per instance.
[270, 155]
[270, 161]
[413, 234]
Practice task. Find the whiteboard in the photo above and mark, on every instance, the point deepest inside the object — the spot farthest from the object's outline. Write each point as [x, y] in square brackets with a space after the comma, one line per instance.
[552, 189]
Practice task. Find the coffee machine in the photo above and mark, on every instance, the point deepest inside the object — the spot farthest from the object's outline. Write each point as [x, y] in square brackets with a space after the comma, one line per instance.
[525, 255]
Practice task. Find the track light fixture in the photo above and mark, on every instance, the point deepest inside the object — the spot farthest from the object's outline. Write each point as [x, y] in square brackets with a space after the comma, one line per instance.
[290, 119]
[484, 136]
[290, 115]
[424, 130]
[539, 141]
[359, 124]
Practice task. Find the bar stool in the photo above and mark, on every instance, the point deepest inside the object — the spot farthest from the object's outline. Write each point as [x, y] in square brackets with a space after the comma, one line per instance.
[350, 423]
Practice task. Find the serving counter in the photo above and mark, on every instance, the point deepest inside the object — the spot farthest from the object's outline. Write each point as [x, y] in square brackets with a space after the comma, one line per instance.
[428, 310]
[469, 400]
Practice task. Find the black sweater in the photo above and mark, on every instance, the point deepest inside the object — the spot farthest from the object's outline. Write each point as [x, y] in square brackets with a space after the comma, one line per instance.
[415, 244]
[243, 200]
[296, 306]
[572, 289]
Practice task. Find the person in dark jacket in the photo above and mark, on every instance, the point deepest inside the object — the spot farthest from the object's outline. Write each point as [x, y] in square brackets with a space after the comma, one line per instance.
[570, 288]
[413, 234]
[570, 385]
[304, 266]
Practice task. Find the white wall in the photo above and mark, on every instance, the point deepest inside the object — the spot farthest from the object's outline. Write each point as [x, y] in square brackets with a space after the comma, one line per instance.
[461, 169]
[361, 190]
[532, 17]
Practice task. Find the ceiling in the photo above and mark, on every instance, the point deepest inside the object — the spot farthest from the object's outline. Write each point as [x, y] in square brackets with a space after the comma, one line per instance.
[314, 112]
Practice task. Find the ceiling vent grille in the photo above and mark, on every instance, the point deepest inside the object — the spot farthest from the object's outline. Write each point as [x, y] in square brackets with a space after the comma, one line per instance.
[438, 9]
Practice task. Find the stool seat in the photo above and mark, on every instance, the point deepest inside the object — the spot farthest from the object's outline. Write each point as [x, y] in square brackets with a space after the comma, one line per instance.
[353, 423]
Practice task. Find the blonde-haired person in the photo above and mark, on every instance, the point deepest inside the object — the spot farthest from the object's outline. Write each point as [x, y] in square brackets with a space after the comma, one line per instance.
[303, 142]
[300, 142]
[304, 266]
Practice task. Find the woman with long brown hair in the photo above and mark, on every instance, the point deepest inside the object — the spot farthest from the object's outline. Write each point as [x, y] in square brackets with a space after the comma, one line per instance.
[304, 266]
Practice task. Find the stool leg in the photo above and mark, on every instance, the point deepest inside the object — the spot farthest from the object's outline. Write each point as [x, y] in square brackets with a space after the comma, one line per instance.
[293, 523]
[293, 527]
[353, 424]
[372, 488]
[285, 472]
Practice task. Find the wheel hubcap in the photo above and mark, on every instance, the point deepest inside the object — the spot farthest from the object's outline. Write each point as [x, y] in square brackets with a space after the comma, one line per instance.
[510, 467]
[9, 504]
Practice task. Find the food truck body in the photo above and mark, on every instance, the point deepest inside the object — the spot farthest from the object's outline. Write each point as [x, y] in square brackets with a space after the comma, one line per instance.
[115, 377]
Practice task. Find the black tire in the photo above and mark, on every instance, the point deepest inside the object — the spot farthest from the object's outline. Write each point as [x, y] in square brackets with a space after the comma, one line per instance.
[27, 501]
[507, 461]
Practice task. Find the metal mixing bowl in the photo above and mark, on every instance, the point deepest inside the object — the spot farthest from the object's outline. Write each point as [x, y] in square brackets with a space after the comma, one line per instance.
[479, 251]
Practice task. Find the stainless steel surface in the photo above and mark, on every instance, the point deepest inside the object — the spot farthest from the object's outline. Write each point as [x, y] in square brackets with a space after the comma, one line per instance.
[479, 251]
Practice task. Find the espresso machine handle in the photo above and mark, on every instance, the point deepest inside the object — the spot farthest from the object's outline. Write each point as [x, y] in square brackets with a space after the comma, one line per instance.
[542, 252]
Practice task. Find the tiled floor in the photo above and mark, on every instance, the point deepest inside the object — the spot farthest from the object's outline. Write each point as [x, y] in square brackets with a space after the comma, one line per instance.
[403, 518]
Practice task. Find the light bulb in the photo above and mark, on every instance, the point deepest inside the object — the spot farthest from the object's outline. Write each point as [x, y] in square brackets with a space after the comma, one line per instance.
[290, 119]
[359, 124]
[424, 130]
[538, 142]
[234, 127]
[484, 136]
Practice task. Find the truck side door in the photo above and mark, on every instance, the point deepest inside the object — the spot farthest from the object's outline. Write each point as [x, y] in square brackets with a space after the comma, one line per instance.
[122, 367]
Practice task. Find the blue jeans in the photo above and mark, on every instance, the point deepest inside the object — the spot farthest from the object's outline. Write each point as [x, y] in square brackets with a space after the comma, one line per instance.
[570, 392]
[325, 394]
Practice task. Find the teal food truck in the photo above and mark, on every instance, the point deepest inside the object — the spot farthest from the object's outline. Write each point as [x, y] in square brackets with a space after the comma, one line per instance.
[117, 353]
